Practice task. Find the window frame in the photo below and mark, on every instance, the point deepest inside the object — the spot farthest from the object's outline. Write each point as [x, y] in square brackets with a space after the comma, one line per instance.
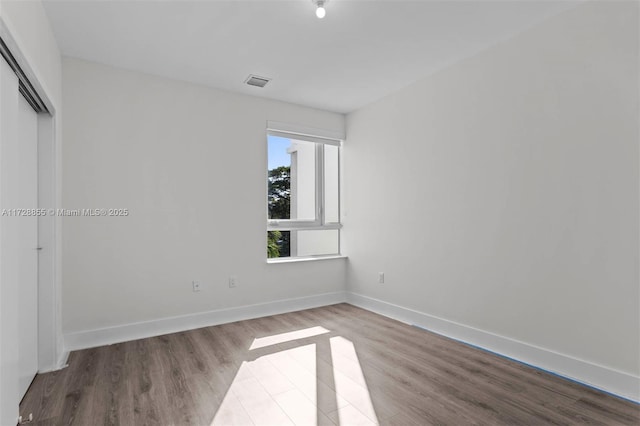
[320, 139]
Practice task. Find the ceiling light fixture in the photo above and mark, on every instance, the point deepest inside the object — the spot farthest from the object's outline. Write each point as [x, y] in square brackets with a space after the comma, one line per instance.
[320, 11]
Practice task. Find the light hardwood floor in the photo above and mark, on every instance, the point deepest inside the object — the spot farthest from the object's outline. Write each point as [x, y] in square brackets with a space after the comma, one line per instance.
[332, 365]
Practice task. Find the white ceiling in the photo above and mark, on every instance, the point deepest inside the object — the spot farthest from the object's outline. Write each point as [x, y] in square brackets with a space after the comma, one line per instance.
[361, 51]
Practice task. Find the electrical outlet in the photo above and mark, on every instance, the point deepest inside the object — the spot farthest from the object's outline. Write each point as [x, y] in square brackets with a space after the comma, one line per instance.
[381, 277]
[233, 280]
[196, 286]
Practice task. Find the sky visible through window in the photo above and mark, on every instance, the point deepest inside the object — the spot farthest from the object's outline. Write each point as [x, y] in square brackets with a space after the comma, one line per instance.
[278, 152]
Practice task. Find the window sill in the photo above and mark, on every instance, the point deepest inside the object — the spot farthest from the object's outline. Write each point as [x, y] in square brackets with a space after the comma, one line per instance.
[305, 259]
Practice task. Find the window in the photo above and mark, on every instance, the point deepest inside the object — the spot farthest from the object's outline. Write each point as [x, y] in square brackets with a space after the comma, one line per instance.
[303, 195]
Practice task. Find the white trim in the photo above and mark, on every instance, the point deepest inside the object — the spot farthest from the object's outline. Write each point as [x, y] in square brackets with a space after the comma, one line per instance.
[604, 378]
[278, 128]
[62, 363]
[141, 330]
[306, 138]
[304, 259]
[292, 225]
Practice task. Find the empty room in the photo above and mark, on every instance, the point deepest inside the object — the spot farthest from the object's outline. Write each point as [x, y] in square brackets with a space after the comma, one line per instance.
[319, 212]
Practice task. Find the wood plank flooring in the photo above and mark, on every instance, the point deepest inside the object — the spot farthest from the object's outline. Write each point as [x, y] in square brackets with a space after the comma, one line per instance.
[336, 365]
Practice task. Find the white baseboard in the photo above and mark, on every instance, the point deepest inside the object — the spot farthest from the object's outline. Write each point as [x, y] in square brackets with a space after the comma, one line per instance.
[63, 360]
[603, 378]
[140, 330]
[58, 365]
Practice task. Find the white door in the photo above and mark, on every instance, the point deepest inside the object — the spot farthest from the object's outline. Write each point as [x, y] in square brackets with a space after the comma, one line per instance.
[9, 358]
[27, 228]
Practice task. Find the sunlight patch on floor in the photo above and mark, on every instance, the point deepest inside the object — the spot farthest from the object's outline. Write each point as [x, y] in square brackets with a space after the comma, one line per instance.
[314, 384]
[351, 385]
[262, 342]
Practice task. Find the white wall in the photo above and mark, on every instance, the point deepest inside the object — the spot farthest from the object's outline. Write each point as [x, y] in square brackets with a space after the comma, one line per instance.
[189, 162]
[502, 192]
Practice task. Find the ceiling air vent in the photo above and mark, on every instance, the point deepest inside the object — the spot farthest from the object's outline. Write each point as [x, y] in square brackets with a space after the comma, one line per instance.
[254, 80]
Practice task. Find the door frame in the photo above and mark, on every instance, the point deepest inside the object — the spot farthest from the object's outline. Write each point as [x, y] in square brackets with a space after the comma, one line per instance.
[51, 353]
